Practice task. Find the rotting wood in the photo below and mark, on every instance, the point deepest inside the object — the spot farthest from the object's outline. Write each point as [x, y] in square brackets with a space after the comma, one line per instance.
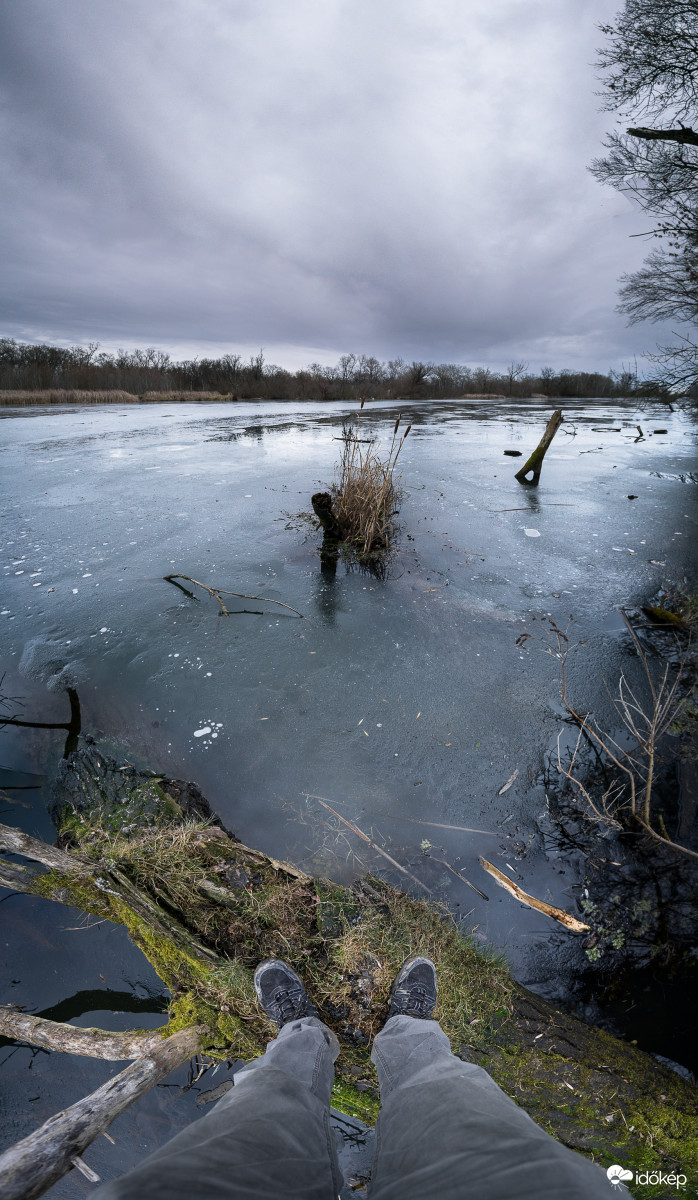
[219, 592]
[92, 1043]
[558, 914]
[30, 1167]
[534, 463]
[277, 863]
[322, 507]
[18, 842]
[108, 881]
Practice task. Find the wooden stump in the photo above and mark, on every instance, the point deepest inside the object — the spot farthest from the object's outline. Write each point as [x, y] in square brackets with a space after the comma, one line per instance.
[535, 462]
[322, 507]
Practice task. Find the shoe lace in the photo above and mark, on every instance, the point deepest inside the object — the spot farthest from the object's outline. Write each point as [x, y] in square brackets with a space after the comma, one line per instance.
[415, 1001]
[287, 1003]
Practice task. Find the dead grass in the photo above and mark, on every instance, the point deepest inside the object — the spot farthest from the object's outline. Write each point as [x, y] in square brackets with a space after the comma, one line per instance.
[365, 956]
[20, 398]
[188, 397]
[65, 396]
[366, 494]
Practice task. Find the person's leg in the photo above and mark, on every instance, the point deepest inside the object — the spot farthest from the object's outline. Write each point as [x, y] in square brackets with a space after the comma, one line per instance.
[268, 1137]
[446, 1129]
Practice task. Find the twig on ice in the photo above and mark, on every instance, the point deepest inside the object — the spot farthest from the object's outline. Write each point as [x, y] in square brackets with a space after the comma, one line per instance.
[218, 592]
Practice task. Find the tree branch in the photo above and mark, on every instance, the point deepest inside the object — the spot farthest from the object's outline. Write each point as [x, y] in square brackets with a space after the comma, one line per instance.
[684, 136]
[18, 842]
[28, 1169]
[94, 1043]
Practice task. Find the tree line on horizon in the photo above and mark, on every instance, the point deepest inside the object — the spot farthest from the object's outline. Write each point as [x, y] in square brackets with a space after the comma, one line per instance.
[26, 366]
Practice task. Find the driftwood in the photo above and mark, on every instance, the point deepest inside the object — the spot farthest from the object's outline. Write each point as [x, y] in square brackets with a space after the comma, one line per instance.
[92, 1043]
[28, 1169]
[558, 914]
[535, 462]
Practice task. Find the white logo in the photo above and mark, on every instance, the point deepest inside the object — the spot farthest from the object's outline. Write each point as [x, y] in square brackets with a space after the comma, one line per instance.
[618, 1175]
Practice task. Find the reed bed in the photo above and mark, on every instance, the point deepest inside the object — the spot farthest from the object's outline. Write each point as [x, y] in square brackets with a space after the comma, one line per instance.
[21, 398]
[366, 495]
[65, 396]
[185, 397]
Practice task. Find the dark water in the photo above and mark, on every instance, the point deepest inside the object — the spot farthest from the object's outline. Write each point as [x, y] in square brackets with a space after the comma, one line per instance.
[406, 697]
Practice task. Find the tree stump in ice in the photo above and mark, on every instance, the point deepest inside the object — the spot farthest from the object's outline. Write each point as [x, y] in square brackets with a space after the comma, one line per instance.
[533, 465]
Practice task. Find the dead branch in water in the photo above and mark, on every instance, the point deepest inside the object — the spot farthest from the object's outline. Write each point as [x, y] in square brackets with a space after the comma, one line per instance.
[219, 592]
[646, 722]
[28, 1169]
[458, 874]
[439, 825]
[355, 829]
[549, 910]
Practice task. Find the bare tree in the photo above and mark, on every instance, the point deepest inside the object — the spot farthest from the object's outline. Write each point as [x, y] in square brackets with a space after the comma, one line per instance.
[650, 78]
[514, 372]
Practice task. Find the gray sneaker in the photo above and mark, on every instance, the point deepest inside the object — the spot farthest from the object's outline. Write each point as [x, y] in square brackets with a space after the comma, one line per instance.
[414, 990]
[281, 992]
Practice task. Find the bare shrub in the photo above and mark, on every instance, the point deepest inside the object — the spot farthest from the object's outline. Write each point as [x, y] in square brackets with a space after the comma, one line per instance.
[647, 718]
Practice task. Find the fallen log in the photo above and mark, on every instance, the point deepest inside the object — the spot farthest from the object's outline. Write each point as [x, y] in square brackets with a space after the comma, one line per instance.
[533, 465]
[191, 896]
[30, 1167]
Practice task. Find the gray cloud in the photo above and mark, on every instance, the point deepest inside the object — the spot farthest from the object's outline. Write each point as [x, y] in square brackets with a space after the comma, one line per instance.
[403, 178]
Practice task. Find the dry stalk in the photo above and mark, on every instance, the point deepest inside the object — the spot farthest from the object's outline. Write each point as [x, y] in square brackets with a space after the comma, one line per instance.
[366, 495]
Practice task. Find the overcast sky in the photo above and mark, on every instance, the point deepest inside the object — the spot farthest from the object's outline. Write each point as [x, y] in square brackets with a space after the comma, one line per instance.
[392, 177]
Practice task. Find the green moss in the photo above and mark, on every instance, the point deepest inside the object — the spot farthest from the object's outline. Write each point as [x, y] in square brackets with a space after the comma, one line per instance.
[582, 1106]
[353, 1103]
[74, 890]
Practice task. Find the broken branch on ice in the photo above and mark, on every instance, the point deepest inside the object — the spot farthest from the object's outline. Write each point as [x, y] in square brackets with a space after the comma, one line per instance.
[355, 829]
[219, 592]
[558, 914]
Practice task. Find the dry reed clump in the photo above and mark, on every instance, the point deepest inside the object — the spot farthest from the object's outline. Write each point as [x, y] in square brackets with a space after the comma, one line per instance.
[188, 397]
[366, 495]
[21, 398]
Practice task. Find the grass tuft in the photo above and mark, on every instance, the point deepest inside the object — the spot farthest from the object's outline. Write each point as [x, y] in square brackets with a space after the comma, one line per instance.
[366, 494]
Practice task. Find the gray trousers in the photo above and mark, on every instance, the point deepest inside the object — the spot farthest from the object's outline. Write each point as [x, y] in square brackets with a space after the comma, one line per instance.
[445, 1131]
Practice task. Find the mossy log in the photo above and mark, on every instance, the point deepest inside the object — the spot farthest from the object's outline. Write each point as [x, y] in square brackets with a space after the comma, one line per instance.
[205, 909]
[533, 465]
